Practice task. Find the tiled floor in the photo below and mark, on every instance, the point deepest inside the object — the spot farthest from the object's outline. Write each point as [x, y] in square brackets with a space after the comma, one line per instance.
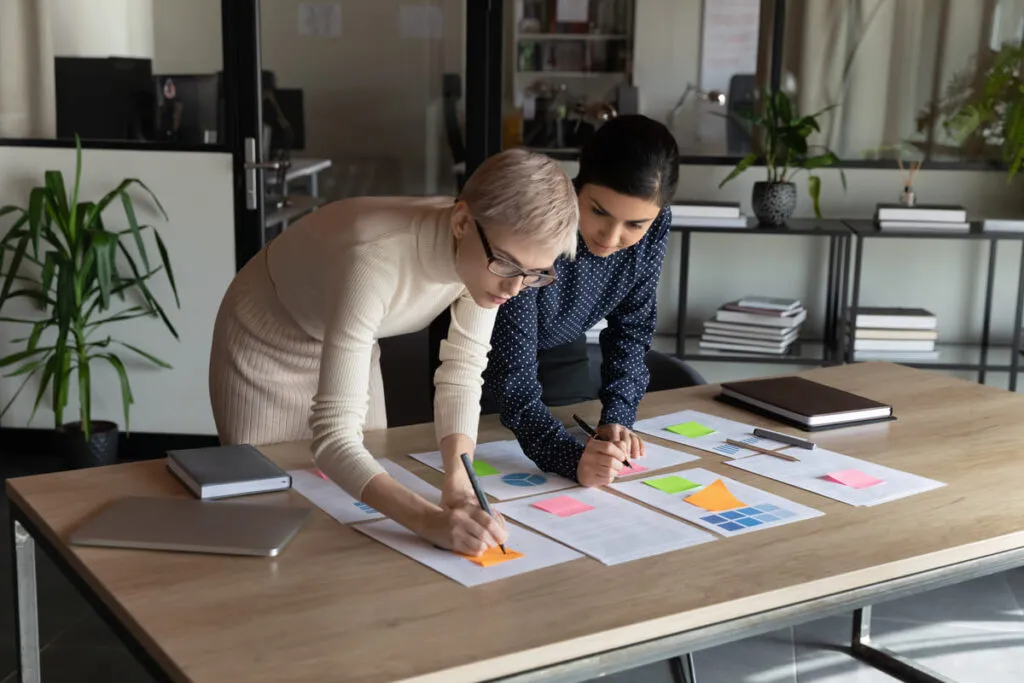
[972, 633]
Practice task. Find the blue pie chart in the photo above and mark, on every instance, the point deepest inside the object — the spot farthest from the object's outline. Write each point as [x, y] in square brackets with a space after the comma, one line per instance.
[524, 479]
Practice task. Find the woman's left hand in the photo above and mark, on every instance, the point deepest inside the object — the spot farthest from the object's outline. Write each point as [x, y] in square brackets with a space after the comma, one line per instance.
[631, 443]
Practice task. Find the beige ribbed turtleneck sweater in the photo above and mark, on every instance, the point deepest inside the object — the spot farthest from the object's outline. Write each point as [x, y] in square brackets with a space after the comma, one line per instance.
[363, 269]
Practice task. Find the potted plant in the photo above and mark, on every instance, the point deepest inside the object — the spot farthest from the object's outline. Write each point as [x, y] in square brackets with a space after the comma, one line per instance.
[59, 256]
[786, 153]
[982, 108]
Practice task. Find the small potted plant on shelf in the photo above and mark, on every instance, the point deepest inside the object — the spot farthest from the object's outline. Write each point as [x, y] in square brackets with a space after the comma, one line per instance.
[59, 256]
[982, 108]
[786, 153]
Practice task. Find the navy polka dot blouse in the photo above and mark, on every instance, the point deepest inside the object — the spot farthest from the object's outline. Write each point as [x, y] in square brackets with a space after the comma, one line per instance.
[621, 288]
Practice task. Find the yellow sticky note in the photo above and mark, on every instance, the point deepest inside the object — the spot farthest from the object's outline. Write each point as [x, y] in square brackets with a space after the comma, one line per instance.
[493, 556]
[691, 430]
[715, 497]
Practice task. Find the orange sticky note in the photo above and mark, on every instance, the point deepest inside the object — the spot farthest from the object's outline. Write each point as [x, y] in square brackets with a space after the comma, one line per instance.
[715, 498]
[493, 556]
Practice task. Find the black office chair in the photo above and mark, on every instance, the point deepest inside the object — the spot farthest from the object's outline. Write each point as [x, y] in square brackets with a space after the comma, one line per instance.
[451, 91]
[667, 372]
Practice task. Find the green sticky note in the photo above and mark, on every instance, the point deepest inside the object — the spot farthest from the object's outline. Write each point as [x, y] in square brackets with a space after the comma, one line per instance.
[691, 430]
[672, 484]
[484, 469]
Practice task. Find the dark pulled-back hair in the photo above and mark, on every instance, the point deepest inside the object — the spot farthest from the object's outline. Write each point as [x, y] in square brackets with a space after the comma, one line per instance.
[633, 155]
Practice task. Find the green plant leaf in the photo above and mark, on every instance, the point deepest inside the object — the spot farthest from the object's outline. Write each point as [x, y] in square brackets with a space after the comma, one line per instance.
[37, 332]
[27, 367]
[44, 384]
[128, 314]
[36, 212]
[19, 254]
[151, 358]
[85, 397]
[742, 166]
[49, 266]
[104, 245]
[144, 290]
[133, 224]
[25, 321]
[820, 161]
[19, 356]
[61, 376]
[784, 107]
[166, 261]
[78, 178]
[127, 399]
[17, 392]
[814, 189]
[58, 193]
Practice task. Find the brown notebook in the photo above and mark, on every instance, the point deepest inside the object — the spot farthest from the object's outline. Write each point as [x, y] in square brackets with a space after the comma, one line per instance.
[805, 402]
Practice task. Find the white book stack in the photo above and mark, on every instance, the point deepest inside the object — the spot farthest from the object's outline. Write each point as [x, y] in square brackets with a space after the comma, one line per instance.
[759, 325]
[924, 217]
[701, 214]
[896, 334]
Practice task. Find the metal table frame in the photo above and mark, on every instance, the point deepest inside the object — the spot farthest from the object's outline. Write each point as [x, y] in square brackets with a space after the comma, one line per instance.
[25, 537]
[866, 230]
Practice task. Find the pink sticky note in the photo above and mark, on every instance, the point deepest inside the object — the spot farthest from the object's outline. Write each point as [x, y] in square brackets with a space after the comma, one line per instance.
[853, 478]
[631, 469]
[563, 506]
[317, 472]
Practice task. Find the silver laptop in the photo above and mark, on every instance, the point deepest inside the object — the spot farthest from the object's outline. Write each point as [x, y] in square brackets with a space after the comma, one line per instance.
[189, 525]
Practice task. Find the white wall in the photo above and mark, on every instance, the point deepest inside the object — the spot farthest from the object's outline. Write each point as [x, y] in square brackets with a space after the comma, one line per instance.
[102, 28]
[196, 191]
[187, 37]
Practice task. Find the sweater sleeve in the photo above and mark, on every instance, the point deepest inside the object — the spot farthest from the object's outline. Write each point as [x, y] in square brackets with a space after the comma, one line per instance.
[627, 339]
[512, 378]
[459, 378]
[364, 283]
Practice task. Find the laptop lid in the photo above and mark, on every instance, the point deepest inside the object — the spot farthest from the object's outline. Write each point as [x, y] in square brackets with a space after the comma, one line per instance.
[190, 525]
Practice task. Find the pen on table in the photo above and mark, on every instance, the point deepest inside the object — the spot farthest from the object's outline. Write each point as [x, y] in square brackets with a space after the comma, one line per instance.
[471, 473]
[784, 438]
[592, 433]
[758, 449]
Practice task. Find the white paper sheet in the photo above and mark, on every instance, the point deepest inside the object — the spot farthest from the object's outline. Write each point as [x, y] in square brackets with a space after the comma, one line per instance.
[517, 475]
[809, 474]
[538, 552]
[714, 442]
[330, 497]
[762, 510]
[615, 531]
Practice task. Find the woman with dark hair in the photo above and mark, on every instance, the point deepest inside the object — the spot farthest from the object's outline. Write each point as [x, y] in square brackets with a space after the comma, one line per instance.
[627, 176]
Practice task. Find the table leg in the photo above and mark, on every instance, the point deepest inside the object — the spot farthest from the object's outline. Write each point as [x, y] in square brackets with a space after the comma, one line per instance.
[25, 604]
[683, 670]
[986, 324]
[901, 668]
[684, 277]
[1015, 351]
[314, 185]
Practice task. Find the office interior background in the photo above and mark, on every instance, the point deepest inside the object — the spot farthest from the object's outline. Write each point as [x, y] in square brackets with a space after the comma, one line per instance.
[404, 97]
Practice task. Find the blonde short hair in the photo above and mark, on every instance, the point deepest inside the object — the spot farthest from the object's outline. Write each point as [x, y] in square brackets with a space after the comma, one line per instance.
[528, 193]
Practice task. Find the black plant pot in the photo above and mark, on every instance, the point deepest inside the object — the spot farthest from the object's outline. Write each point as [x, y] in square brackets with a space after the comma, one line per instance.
[99, 450]
[774, 203]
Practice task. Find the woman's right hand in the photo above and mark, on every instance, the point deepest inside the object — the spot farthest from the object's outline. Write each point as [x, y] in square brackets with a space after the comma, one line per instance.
[466, 529]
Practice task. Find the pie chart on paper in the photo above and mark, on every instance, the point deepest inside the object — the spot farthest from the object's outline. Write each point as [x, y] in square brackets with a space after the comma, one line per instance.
[524, 479]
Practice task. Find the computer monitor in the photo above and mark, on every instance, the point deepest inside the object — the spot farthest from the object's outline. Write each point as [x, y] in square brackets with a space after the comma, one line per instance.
[104, 98]
[189, 109]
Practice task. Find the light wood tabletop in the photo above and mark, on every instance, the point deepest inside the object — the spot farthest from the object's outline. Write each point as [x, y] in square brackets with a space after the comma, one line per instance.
[338, 606]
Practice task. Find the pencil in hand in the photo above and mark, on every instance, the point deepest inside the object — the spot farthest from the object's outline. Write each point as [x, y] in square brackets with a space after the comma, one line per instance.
[481, 498]
[592, 433]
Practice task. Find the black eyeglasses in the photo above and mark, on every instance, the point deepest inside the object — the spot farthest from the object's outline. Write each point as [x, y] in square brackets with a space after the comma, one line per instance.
[502, 267]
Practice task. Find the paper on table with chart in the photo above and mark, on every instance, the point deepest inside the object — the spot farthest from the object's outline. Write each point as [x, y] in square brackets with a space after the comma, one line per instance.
[706, 432]
[538, 552]
[760, 509]
[811, 472]
[333, 500]
[656, 457]
[613, 531]
[514, 476]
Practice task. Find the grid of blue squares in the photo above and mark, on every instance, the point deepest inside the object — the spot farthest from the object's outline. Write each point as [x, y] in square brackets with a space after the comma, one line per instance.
[735, 520]
[365, 508]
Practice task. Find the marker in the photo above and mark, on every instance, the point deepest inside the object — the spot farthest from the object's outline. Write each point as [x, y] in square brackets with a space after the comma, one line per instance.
[468, 464]
[592, 433]
[784, 438]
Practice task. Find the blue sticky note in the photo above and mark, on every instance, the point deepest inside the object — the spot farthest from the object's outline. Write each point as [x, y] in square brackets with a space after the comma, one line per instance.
[731, 514]
[784, 514]
[767, 518]
[713, 519]
[767, 508]
[730, 526]
[750, 511]
[749, 521]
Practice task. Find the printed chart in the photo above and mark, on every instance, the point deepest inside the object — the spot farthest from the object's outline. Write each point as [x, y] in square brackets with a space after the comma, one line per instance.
[504, 471]
[527, 552]
[718, 503]
[606, 527]
[706, 432]
[837, 476]
[329, 497]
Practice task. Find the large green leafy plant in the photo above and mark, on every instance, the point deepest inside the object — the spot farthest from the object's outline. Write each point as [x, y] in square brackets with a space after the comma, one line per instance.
[785, 134]
[982, 107]
[59, 255]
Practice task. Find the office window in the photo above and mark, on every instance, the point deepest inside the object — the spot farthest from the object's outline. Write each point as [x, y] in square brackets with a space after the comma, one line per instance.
[113, 70]
[888, 64]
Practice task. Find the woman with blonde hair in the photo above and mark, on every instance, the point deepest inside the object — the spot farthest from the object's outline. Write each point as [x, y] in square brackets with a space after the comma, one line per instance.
[295, 352]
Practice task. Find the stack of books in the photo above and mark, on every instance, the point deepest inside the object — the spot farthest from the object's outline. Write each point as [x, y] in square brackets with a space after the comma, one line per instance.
[754, 324]
[906, 334]
[897, 217]
[701, 214]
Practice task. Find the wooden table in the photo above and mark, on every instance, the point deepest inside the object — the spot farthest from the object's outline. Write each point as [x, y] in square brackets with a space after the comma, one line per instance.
[338, 606]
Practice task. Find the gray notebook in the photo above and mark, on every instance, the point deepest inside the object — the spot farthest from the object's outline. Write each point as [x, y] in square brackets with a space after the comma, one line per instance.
[224, 471]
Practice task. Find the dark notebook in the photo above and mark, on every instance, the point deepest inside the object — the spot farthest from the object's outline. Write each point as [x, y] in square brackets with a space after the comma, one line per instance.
[805, 403]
